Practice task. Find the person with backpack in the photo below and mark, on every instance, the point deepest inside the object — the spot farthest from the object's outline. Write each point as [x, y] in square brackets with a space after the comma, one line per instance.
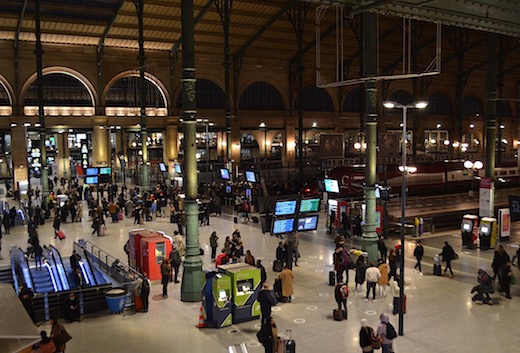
[418, 253]
[366, 337]
[341, 293]
[387, 332]
[341, 262]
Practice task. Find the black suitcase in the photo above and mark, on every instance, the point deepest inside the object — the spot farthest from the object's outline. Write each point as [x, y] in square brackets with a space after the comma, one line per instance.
[278, 290]
[235, 220]
[332, 278]
[437, 270]
[277, 266]
[290, 344]
[339, 315]
[254, 219]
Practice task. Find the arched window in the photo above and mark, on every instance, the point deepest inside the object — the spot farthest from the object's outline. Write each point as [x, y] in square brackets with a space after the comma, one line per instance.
[472, 106]
[126, 93]
[59, 90]
[503, 109]
[4, 95]
[261, 96]
[402, 97]
[352, 103]
[438, 104]
[315, 100]
[209, 95]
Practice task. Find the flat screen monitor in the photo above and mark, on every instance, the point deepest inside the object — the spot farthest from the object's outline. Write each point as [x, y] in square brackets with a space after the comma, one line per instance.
[307, 223]
[310, 205]
[224, 174]
[284, 225]
[162, 167]
[178, 168]
[222, 295]
[467, 227]
[229, 189]
[105, 171]
[331, 185]
[249, 194]
[484, 230]
[92, 171]
[250, 176]
[285, 208]
[91, 180]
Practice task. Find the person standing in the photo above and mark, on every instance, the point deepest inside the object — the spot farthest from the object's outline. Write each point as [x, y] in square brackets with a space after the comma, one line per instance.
[287, 278]
[175, 262]
[505, 275]
[383, 330]
[166, 270]
[448, 254]
[266, 299]
[372, 276]
[249, 258]
[57, 335]
[263, 274]
[145, 292]
[392, 261]
[26, 294]
[38, 252]
[383, 280]
[341, 294]
[361, 268]
[213, 243]
[294, 243]
[74, 260]
[418, 253]
[72, 312]
[268, 336]
[280, 253]
[381, 246]
[365, 337]
[46, 345]
[500, 258]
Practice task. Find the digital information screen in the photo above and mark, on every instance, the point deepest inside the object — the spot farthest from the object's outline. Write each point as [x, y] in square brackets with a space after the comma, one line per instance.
[178, 168]
[229, 190]
[281, 226]
[307, 223]
[250, 176]
[162, 167]
[92, 171]
[224, 174]
[105, 171]
[285, 208]
[331, 185]
[309, 205]
[91, 180]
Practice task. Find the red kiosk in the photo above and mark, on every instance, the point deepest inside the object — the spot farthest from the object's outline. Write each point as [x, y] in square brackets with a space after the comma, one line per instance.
[148, 248]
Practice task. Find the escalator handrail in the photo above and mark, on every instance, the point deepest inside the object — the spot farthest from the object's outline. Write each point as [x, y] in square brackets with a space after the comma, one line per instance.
[53, 251]
[22, 254]
[89, 264]
[53, 268]
[107, 256]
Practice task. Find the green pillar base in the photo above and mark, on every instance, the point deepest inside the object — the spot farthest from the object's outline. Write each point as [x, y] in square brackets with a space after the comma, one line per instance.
[145, 180]
[45, 181]
[370, 246]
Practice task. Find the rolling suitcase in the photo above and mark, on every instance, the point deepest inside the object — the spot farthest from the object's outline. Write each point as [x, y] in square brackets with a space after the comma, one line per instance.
[102, 229]
[60, 235]
[235, 220]
[437, 270]
[339, 315]
[120, 216]
[290, 344]
[332, 278]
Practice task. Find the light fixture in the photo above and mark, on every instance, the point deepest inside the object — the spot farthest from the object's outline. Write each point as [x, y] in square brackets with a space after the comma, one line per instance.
[408, 169]
[357, 145]
[197, 155]
[314, 124]
[505, 142]
[455, 144]
[389, 104]
[438, 126]
[37, 125]
[421, 104]
[471, 126]
[478, 165]
[14, 124]
[446, 142]
[502, 126]
[101, 127]
[26, 124]
[262, 125]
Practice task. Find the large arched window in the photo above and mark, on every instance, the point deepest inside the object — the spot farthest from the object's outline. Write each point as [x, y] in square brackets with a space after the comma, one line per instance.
[209, 95]
[352, 103]
[4, 95]
[472, 106]
[261, 96]
[438, 104]
[126, 92]
[315, 100]
[402, 97]
[59, 90]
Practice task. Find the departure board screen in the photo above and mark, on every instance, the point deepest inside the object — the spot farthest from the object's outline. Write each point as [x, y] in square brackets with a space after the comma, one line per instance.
[250, 176]
[92, 171]
[309, 205]
[307, 223]
[281, 226]
[285, 208]
[105, 171]
[331, 185]
[91, 180]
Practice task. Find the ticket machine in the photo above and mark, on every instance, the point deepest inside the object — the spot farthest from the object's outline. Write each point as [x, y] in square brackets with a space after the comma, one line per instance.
[217, 300]
[488, 233]
[469, 230]
[245, 285]
[147, 249]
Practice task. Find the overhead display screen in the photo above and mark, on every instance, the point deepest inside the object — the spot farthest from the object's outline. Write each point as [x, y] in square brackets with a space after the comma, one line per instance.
[281, 226]
[91, 180]
[307, 223]
[178, 168]
[224, 174]
[105, 171]
[162, 167]
[250, 176]
[92, 171]
[331, 185]
[285, 208]
[309, 205]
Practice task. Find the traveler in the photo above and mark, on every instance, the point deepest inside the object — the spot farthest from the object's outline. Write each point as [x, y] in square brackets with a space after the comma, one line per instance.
[145, 292]
[505, 275]
[448, 254]
[396, 293]
[383, 280]
[58, 334]
[266, 299]
[46, 345]
[499, 260]
[342, 261]
[366, 335]
[418, 253]
[74, 260]
[381, 246]
[287, 278]
[387, 332]
[213, 243]
[221, 259]
[72, 312]
[268, 336]
[294, 243]
[175, 262]
[361, 268]
[166, 270]
[372, 276]
[280, 253]
[341, 293]
[392, 261]
[263, 274]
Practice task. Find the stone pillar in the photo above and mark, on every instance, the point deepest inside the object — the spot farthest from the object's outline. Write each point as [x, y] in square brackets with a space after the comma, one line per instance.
[100, 147]
[63, 156]
[19, 155]
[171, 143]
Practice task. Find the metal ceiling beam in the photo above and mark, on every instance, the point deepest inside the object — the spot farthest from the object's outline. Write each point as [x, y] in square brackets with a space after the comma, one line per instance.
[266, 26]
[110, 25]
[19, 26]
[195, 21]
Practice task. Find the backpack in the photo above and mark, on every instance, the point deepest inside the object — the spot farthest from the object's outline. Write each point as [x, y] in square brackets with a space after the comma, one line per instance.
[345, 259]
[390, 331]
[344, 291]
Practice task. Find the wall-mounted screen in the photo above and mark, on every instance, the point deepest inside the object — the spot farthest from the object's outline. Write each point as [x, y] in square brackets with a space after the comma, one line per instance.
[284, 225]
[91, 179]
[229, 189]
[249, 194]
[178, 168]
[250, 176]
[92, 171]
[224, 174]
[285, 208]
[105, 171]
[310, 205]
[331, 185]
[307, 223]
[162, 167]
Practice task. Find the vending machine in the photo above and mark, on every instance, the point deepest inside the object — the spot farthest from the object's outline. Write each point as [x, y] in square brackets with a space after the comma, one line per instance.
[488, 233]
[217, 299]
[147, 249]
[469, 230]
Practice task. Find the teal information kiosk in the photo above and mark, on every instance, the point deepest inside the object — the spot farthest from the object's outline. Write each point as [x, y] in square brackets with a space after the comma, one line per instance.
[216, 299]
[245, 285]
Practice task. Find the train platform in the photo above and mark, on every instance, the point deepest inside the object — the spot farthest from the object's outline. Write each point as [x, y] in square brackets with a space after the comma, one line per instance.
[440, 315]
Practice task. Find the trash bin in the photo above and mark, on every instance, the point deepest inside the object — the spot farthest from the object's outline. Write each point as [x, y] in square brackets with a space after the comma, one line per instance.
[116, 298]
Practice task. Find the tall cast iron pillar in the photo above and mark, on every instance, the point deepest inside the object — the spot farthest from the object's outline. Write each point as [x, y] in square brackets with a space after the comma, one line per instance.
[299, 63]
[369, 232]
[491, 116]
[224, 9]
[192, 279]
[145, 181]
[38, 51]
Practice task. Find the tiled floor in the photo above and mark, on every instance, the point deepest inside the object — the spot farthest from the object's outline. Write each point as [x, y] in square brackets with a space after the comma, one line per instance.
[440, 314]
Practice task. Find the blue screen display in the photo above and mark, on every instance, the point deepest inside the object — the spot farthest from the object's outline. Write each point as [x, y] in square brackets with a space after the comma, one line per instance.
[178, 168]
[285, 208]
[281, 226]
[250, 176]
[331, 185]
[307, 223]
[92, 180]
[224, 174]
[92, 171]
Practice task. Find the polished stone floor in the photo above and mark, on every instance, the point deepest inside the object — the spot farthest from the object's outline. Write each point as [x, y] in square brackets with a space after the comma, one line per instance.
[440, 314]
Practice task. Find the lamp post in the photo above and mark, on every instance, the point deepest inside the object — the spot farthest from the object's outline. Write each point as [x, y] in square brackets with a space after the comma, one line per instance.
[473, 167]
[404, 170]
[263, 127]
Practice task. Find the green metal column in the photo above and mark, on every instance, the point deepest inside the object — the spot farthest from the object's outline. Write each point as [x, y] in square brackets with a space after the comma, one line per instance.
[145, 181]
[369, 232]
[41, 111]
[193, 278]
[491, 114]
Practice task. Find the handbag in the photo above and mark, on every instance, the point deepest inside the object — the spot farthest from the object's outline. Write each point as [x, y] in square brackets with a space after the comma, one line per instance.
[455, 256]
[62, 337]
[376, 341]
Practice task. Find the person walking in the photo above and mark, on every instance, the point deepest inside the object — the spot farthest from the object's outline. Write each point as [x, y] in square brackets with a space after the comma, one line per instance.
[268, 336]
[175, 262]
[57, 335]
[213, 243]
[383, 280]
[294, 243]
[392, 262]
[384, 330]
[266, 299]
[372, 276]
[287, 278]
[341, 293]
[500, 258]
[38, 252]
[166, 270]
[366, 335]
[74, 260]
[448, 254]
[361, 268]
[418, 252]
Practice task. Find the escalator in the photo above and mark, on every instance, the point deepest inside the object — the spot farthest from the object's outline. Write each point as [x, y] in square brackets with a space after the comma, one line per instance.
[59, 269]
[39, 280]
[43, 280]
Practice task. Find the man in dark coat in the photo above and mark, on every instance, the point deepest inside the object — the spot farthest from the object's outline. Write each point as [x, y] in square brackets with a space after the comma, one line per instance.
[267, 300]
[175, 261]
[448, 254]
